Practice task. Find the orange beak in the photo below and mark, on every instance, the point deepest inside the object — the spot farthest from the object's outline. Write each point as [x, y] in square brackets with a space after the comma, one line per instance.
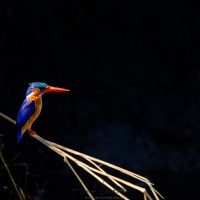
[55, 89]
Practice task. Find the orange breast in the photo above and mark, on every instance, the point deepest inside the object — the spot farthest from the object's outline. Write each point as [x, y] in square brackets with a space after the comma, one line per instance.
[38, 107]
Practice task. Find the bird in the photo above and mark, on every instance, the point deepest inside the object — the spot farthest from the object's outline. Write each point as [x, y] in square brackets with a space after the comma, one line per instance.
[31, 107]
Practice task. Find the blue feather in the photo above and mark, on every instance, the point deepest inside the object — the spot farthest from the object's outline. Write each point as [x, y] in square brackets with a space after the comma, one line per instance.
[35, 85]
[26, 110]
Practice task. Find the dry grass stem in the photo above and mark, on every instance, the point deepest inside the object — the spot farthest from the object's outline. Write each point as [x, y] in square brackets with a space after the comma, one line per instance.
[97, 166]
[18, 190]
[78, 177]
[93, 169]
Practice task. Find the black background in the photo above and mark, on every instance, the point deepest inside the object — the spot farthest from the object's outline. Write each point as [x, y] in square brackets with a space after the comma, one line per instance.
[132, 68]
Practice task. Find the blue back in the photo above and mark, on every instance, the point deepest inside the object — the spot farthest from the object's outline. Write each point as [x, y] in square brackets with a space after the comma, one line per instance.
[26, 110]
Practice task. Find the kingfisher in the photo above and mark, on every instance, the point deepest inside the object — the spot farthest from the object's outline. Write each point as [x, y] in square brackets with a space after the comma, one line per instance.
[31, 107]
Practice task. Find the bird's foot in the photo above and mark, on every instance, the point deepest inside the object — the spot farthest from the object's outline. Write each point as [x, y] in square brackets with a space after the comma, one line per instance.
[31, 132]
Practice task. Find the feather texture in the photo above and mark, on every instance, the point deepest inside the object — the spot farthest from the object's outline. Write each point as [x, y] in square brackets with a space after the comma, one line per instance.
[31, 106]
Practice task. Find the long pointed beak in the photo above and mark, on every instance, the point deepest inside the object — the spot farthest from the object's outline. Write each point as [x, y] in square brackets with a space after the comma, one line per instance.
[55, 89]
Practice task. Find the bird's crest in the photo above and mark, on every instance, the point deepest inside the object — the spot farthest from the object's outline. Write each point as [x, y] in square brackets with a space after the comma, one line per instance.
[35, 85]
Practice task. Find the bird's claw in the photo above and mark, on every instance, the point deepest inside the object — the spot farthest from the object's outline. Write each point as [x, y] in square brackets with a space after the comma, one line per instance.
[31, 132]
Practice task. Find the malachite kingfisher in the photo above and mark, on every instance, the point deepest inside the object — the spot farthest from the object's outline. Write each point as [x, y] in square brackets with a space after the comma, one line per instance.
[31, 107]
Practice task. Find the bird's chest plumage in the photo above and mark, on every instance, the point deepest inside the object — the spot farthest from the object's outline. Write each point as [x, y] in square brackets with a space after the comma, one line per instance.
[38, 108]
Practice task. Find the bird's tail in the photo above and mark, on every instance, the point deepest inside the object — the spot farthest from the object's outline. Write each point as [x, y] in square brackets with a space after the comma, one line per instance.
[19, 135]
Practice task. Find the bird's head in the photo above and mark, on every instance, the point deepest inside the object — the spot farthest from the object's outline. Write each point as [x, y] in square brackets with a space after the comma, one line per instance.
[39, 88]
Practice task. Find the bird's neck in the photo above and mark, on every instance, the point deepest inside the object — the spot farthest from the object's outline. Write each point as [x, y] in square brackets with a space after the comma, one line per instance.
[35, 97]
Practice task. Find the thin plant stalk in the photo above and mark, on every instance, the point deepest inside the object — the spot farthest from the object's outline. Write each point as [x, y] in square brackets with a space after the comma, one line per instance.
[13, 182]
[78, 177]
[62, 151]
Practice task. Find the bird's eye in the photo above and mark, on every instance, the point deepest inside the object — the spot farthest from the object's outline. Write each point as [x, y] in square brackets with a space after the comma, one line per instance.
[41, 88]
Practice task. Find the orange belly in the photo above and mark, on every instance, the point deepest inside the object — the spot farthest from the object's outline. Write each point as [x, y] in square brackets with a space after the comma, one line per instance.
[34, 116]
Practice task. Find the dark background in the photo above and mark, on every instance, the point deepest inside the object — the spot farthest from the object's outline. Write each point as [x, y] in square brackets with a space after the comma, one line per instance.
[133, 71]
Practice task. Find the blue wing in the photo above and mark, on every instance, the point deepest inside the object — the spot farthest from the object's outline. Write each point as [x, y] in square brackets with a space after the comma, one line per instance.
[26, 110]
